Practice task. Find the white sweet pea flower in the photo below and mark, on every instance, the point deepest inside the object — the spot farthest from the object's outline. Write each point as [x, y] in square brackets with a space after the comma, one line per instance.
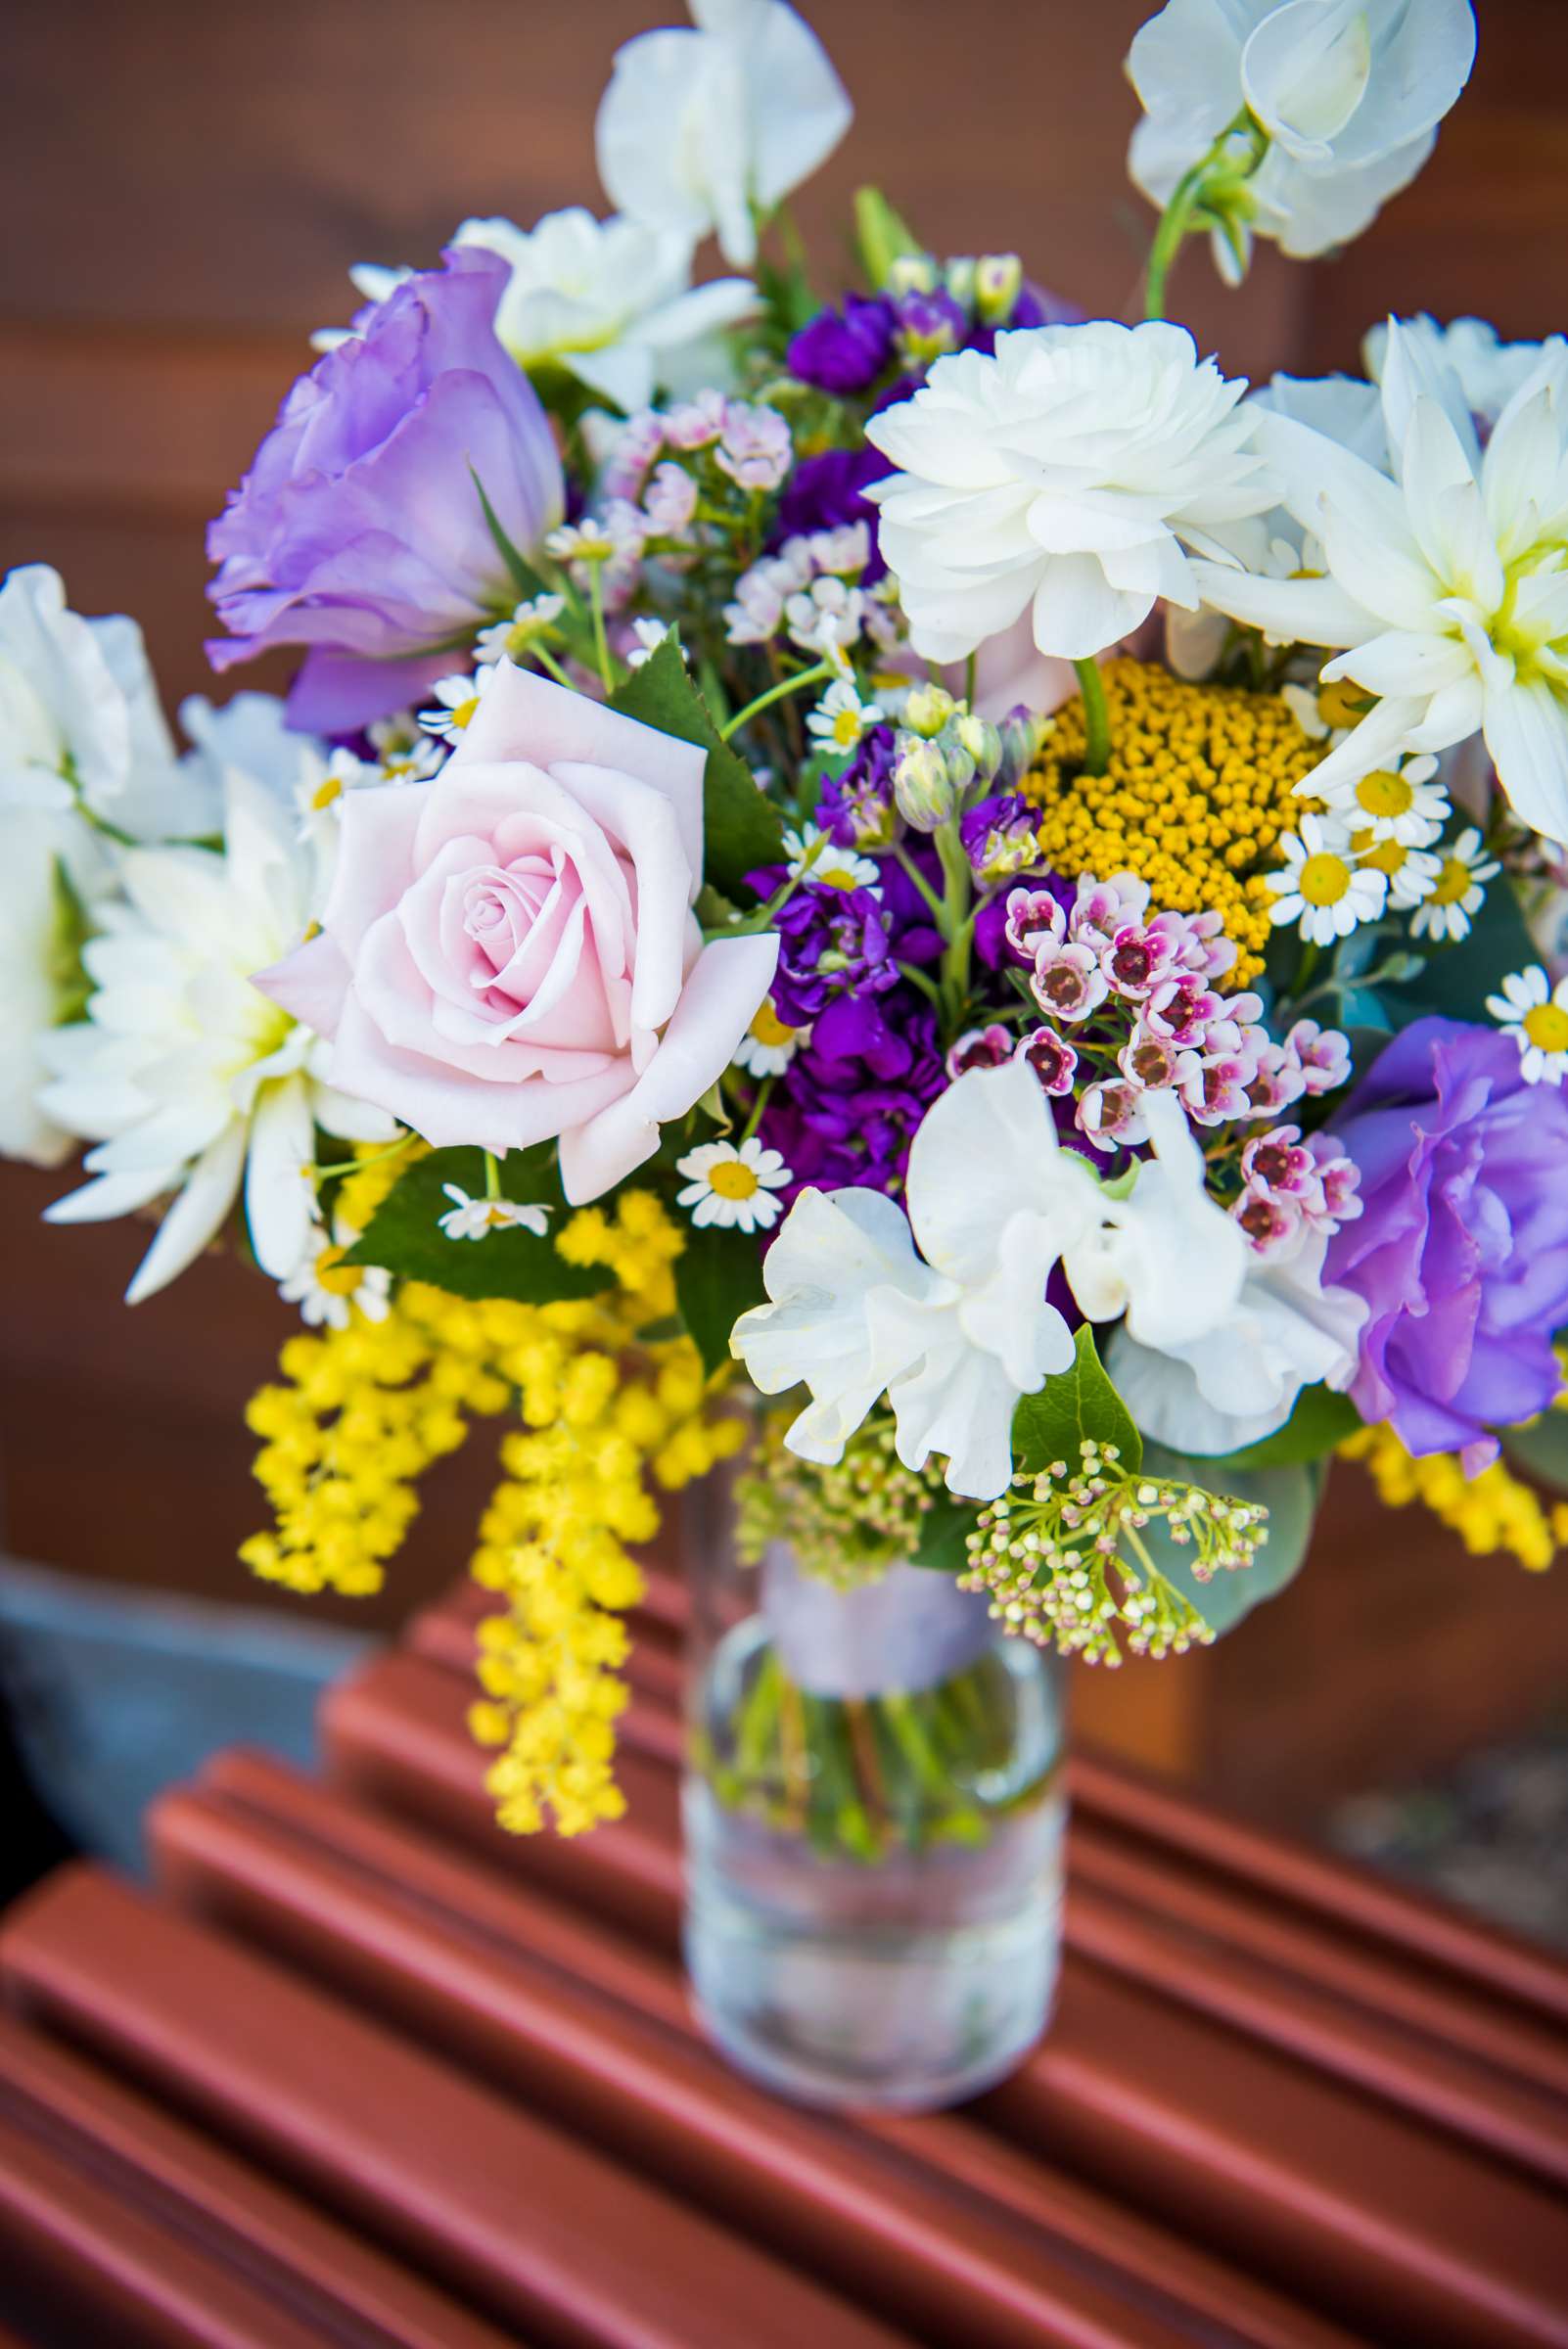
[186, 1079]
[955, 1333]
[1446, 594]
[1488, 372]
[80, 726]
[1349, 94]
[1239, 1382]
[703, 127]
[1064, 476]
[611, 302]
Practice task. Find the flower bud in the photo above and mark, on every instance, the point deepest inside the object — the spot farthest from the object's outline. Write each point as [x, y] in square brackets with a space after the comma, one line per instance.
[981, 741]
[1024, 734]
[922, 787]
[998, 282]
[911, 273]
[958, 279]
[927, 709]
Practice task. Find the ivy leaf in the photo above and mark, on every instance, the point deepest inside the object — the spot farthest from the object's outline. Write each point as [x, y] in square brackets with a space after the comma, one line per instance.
[741, 828]
[1078, 1403]
[1320, 1420]
[405, 1237]
[718, 1275]
[1289, 1493]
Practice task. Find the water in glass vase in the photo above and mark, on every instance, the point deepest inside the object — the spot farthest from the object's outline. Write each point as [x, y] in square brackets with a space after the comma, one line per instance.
[873, 1816]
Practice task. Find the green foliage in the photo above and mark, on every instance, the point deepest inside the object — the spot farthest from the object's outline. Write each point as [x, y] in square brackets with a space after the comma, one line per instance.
[404, 1234]
[718, 1275]
[524, 579]
[1320, 1420]
[741, 829]
[1079, 1402]
[943, 1534]
[1540, 1450]
[1457, 980]
[73, 929]
[882, 237]
[1289, 1493]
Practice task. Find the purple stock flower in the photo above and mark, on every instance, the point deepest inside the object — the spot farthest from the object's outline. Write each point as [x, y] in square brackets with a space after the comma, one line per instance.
[1000, 838]
[359, 530]
[832, 942]
[1461, 1249]
[848, 1107]
[856, 807]
[825, 493]
[845, 350]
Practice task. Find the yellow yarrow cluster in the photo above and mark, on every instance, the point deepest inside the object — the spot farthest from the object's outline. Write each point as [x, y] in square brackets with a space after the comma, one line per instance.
[1199, 788]
[364, 1411]
[1493, 1512]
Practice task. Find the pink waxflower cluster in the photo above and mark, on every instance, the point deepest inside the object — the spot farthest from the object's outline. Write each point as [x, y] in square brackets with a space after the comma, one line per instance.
[810, 590]
[1291, 1187]
[747, 441]
[1139, 991]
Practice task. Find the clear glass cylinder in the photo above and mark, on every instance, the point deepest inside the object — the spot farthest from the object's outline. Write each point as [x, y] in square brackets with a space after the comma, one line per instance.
[874, 1816]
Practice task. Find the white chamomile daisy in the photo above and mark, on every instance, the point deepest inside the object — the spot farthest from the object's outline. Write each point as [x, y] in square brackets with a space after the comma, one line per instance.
[841, 718]
[1411, 874]
[586, 542]
[1460, 890]
[476, 1219]
[1394, 803]
[456, 699]
[732, 1185]
[650, 635]
[1325, 712]
[403, 755]
[1320, 889]
[327, 1289]
[813, 857]
[318, 793]
[515, 638]
[1534, 1013]
[768, 1046]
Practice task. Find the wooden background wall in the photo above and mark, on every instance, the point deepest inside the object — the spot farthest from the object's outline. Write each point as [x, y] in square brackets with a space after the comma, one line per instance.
[184, 183]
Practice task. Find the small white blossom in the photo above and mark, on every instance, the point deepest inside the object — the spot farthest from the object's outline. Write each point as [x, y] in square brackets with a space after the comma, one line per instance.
[328, 1289]
[814, 856]
[590, 540]
[1319, 888]
[513, 639]
[841, 718]
[647, 637]
[732, 1187]
[1460, 890]
[825, 619]
[1534, 1013]
[770, 1044]
[1411, 874]
[476, 1219]
[456, 698]
[1393, 802]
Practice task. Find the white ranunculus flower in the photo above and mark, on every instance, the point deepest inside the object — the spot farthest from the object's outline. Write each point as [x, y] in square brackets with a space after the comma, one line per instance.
[50, 859]
[703, 127]
[183, 1075]
[1064, 476]
[1446, 593]
[1488, 372]
[955, 1333]
[1240, 1381]
[1350, 93]
[612, 302]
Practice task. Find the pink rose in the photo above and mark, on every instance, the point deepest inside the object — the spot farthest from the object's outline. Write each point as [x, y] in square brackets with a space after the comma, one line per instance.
[509, 951]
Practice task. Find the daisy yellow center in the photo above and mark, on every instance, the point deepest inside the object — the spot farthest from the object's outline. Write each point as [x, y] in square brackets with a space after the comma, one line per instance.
[733, 1180]
[769, 1028]
[333, 1274]
[1384, 793]
[1546, 1026]
[328, 790]
[834, 877]
[1324, 879]
[847, 729]
[464, 711]
[1454, 882]
[1342, 703]
[496, 1213]
[1383, 856]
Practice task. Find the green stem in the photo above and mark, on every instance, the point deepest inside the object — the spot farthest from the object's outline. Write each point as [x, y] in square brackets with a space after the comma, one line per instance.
[758, 1106]
[776, 693]
[918, 979]
[493, 1175]
[1096, 717]
[601, 640]
[921, 883]
[548, 662]
[956, 923]
[1177, 218]
[970, 667]
[357, 1166]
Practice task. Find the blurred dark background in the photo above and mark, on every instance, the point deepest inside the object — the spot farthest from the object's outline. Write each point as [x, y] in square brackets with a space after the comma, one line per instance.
[187, 185]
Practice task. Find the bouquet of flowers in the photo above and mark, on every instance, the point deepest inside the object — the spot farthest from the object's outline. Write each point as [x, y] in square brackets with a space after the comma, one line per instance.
[917, 878]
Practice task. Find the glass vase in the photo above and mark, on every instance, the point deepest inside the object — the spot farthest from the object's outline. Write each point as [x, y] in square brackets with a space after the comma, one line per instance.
[873, 1815]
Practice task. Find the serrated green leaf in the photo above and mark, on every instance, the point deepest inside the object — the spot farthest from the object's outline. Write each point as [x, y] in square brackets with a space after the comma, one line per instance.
[1320, 1420]
[1077, 1405]
[741, 828]
[1290, 1495]
[404, 1234]
[718, 1275]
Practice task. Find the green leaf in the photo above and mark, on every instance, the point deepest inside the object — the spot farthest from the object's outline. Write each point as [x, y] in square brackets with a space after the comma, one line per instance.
[71, 931]
[882, 237]
[944, 1530]
[718, 1275]
[741, 828]
[1540, 1449]
[524, 579]
[1290, 1495]
[1078, 1403]
[404, 1234]
[1320, 1420]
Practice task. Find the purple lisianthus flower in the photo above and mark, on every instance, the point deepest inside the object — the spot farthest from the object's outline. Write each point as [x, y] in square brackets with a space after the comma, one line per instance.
[359, 530]
[1461, 1248]
[832, 942]
[845, 350]
[850, 1104]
